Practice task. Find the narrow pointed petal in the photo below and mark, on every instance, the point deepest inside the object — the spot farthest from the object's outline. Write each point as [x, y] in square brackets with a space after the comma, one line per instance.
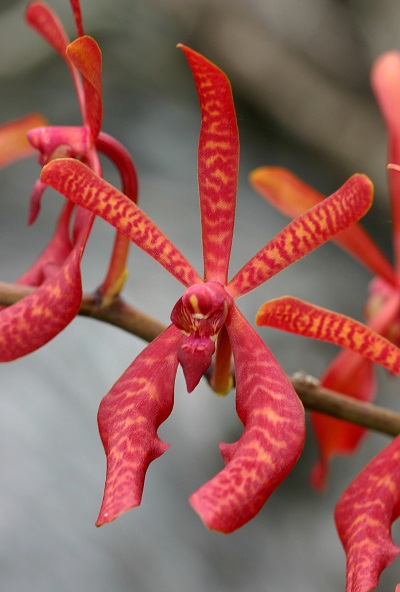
[129, 416]
[45, 22]
[14, 144]
[55, 252]
[36, 319]
[304, 234]
[35, 201]
[291, 196]
[271, 442]
[354, 376]
[85, 55]
[82, 186]
[218, 161]
[385, 80]
[76, 10]
[364, 515]
[302, 318]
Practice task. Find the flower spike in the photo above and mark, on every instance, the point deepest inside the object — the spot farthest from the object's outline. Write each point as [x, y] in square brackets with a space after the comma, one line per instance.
[304, 234]
[218, 160]
[82, 186]
[364, 515]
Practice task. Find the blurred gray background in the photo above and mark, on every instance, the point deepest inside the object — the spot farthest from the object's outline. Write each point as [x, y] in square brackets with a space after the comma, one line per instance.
[300, 77]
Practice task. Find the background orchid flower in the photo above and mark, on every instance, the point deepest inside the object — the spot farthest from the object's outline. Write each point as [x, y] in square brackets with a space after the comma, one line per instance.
[33, 321]
[206, 319]
[349, 373]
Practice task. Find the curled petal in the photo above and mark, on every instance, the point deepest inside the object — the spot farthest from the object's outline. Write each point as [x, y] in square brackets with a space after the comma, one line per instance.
[304, 234]
[35, 201]
[364, 515]
[85, 55]
[128, 418]
[218, 162]
[354, 376]
[82, 186]
[36, 319]
[14, 144]
[291, 196]
[302, 318]
[385, 80]
[271, 442]
[42, 18]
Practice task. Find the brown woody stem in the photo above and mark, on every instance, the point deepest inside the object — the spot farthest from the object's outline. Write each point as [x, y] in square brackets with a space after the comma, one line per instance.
[312, 395]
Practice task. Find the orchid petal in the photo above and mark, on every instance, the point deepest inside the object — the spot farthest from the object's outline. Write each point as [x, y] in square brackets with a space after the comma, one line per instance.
[129, 416]
[291, 196]
[82, 186]
[364, 515]
[354, 376]
[76, 10]
[304, 234]
[85, 55]
[385, 80]
[36, 319]
[302, 318]
[218, 161]
[14, 144]
[55, 252]
[45, 22]
[35, 201]
[270, 444]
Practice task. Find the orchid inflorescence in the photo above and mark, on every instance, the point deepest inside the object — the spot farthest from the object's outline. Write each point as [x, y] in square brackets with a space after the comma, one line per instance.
[208, 335]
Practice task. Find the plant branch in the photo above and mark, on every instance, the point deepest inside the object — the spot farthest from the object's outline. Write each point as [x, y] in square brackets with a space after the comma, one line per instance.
[313, 396]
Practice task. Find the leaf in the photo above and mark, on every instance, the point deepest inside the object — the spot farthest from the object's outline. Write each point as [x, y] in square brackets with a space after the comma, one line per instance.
[14, 144]
[218, 161]
[302, 318]
[272, 440]
[364, 515]
[82, 186]
[85, 55]
[304, 234]
[291, 196]
[128, 418]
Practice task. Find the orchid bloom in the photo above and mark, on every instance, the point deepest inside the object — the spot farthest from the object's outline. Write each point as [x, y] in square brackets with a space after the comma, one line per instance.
[350, 373]
[206, 322]
[40, 316]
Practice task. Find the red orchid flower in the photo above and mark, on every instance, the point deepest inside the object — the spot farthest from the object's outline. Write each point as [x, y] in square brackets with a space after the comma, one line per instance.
[207, 322]
[37, 318]
[349, 373]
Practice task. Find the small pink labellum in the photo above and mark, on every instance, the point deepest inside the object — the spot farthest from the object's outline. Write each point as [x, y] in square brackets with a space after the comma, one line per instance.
[14, 144]
[59, 141]
[364, 515]
[195, 356]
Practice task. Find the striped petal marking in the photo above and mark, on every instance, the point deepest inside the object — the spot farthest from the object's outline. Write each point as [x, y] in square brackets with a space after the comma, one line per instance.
[364, 515]
[304, 234]
[291, 196]
[36, 319]
[272, 440]
[81, 185]
[128, 418]
[302, 318]
[218, 162]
